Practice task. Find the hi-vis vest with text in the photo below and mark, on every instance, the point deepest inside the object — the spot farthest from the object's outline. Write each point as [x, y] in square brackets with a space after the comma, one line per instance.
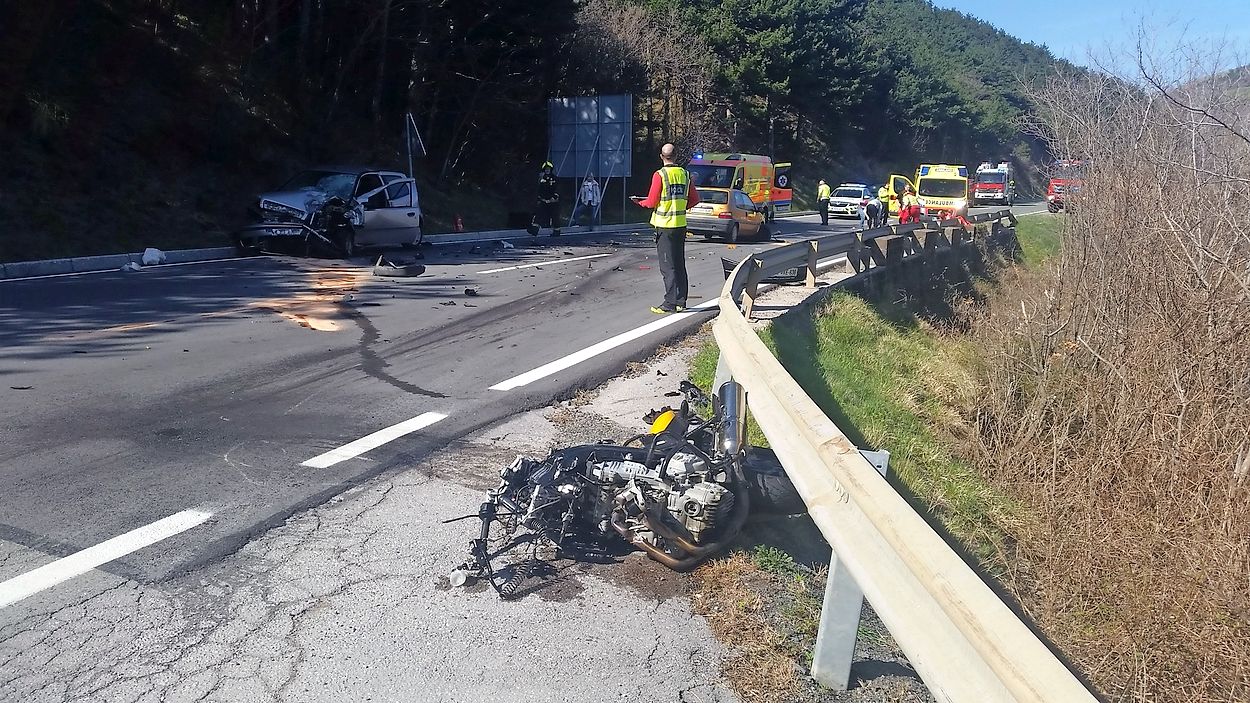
[674, 184]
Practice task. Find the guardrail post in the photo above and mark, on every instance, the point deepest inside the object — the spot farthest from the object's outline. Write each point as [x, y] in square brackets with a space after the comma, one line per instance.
[751, 291]
[839, 625]
[839, 614]
[812, 256]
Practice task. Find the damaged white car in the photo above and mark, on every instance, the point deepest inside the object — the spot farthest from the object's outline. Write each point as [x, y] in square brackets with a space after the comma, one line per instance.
[336, 209]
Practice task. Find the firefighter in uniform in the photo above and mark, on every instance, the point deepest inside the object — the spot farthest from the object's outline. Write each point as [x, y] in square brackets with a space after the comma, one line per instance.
[548, 212]
[822, 201]
[670, 196]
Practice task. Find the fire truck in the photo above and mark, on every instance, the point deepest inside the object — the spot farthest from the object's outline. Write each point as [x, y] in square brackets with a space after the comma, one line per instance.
[765, 183]
[1067, 177]
[995, 184]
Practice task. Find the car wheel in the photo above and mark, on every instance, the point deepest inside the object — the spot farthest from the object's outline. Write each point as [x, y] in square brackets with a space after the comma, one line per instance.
[1052, 208]
[732, 236]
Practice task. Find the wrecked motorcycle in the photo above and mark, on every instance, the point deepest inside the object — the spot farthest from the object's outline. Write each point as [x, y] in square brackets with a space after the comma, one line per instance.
[678, 492]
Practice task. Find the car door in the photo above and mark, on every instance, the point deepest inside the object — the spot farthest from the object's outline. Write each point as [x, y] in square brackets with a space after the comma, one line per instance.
[898, 186]
[751, 217]
[370, 193]
[401, 216]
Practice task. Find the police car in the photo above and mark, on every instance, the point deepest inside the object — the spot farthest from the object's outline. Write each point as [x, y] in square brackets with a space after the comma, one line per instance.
[848, 198]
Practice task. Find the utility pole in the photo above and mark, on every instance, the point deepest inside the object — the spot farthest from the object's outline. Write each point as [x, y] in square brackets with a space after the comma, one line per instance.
[772, 152]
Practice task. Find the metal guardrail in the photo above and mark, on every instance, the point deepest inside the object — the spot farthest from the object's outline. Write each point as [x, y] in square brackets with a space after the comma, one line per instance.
[963, 640]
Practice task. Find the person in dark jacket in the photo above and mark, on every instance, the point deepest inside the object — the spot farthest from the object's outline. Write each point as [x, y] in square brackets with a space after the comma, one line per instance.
[548, 212]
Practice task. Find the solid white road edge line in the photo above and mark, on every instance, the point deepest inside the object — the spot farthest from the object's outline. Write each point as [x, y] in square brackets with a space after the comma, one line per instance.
[546, 263]
[594, 350]
[373, 441]
[79, 563]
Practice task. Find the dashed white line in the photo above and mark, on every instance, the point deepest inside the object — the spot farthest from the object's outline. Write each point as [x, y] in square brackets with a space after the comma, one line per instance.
[79, 563]
[545, 263]
[594, 350]
[373, 441]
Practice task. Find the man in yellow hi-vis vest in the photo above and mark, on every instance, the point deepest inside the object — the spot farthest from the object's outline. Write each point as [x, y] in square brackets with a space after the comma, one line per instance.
[883, 194]
[671, 195]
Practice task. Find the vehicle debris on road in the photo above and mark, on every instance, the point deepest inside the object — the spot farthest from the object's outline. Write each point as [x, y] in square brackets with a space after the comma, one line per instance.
[678, 493]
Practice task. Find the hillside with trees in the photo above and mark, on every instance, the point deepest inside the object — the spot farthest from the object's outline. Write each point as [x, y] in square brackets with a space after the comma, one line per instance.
[128, 123]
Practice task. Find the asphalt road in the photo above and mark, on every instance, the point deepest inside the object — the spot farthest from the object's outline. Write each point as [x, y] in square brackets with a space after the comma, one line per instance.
[130, 397]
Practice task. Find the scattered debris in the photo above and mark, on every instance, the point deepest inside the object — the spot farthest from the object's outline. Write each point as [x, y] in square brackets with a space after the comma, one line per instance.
[644, 268]
[152, 257]
[469, 305]
[448, 302]
[506, 245]
[397, 268]
[131, 266]
[613, 243]
[677, 492]
[617, 268]
[21, 388]
[470, 292]
[568, 253]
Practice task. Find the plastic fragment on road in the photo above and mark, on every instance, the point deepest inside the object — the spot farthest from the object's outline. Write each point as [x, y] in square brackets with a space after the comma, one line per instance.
[131, 266]
[152, 256]
[506, 245]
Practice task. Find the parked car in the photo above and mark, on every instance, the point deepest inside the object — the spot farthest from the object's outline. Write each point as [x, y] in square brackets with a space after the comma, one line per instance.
[729, 214]
[338, 208]
[848, 198]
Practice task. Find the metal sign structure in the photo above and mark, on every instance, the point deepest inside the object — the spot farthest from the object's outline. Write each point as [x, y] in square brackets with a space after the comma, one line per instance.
[590, 135]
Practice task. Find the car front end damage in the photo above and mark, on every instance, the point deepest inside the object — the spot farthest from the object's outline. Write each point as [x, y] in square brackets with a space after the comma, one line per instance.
[311, 218]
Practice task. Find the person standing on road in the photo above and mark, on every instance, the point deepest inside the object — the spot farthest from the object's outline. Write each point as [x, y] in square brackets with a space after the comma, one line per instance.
[822, 202]
[883, 194]
[589, 196]
[671, 195]
[548, 212]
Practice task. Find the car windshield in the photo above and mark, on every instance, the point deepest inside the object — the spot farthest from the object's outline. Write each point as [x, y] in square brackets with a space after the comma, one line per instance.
[334, 183]
[714, 197]
[711, 176]
[848, 193]
[943, 187]
[991, 178]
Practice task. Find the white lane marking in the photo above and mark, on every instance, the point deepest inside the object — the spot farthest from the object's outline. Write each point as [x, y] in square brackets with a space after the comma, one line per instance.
[594, 350]
[79, 563]
[118, 269]
[546, 263]
[373, 441]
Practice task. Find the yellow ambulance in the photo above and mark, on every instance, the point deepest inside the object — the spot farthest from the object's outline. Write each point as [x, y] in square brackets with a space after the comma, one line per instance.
[942, 189]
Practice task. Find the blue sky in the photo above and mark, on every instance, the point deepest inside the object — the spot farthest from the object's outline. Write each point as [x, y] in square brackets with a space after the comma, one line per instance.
[1071, 27]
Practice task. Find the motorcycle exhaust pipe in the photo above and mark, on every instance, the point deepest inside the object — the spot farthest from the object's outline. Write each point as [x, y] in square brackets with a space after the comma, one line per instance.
[730, 394]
